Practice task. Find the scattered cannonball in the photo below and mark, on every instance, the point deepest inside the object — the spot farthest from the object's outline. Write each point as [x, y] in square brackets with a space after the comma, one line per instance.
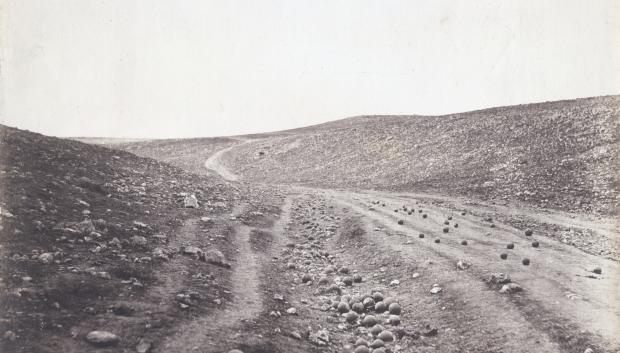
[383, 204]
[368, 303]
[345, 298]
[535, 244]
[361, 342]
[492, 225]
[463, 213]
[306, 278]
[348, 281]
[421, 235]
[446, 229]
[380, 307]
[396, 210]
[394, 320]
[446, 222]
[343, 307]
[323, 280]
[437, 241]
[358, 307]
[424, 215]
[597, 270]
[377, 296]
[529, 232]
[378, 343]
[290, 266]
[351, 316]
[503, 256]
[376, 329]
[369, 321]
[449, 218]
[510, 246]
[463, 242]
[394, 309]
[410, 212]
[357, 278]
[344, 270]
[525, 262]
[456, 225]
[401, 222]
[386, 336]
[361, 349]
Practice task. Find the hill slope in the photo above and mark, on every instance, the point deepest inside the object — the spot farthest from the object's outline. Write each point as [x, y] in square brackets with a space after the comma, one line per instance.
[559, 154]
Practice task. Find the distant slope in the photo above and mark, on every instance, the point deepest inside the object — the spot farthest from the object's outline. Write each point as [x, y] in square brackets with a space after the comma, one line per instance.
[558, 154]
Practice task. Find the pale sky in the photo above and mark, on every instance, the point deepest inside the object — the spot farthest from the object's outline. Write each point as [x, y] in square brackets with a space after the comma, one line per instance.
[159, 68]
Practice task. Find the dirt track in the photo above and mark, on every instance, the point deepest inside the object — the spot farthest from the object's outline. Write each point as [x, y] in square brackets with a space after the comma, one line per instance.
[563, 307]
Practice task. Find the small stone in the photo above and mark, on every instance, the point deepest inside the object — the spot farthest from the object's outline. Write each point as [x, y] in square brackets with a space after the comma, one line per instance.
[46, 258]
[436, 289]
[291, 311]
[462, 265]
[102, 338]
[535, 244]
[446, 229]
[357, 278]
[9, 336]
[190, 201]
[463, 242]
[510, 288]
[143, 346]
[394, 283]
[597, 270]
[510, 246]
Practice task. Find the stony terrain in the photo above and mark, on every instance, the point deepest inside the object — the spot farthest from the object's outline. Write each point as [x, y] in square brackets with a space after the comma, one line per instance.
[250, 244]
[560, 155]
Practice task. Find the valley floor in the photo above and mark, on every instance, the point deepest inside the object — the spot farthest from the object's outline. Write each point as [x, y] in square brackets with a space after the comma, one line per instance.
[441, 259]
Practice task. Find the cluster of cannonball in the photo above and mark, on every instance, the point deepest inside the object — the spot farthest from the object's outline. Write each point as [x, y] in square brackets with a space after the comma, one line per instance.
[510, 246]
[356, 307]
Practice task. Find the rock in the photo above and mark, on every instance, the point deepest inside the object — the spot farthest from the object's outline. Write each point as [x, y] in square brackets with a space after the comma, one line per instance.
[102, 338]
[510, 246]
[446, 229]
[348, 281]
[510, 288]
[394, 309]
[323, 280]
[597, 270]
[463, 265]
[357, 278]
[306, 278]
[436, 289]
[143, 346]
[190, 201]
[235, 351]
[46, 258]
[85, 227]
[191, 250]
[291, 311]
[499, 278]
[386, 336]
[319, 338]
[216, 257]
[463, 242]
[394, 283]
[138, 240]
[401, 222]
[9, 336]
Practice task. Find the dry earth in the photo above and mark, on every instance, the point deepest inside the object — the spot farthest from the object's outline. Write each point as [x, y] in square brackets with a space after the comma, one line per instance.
[323, 249]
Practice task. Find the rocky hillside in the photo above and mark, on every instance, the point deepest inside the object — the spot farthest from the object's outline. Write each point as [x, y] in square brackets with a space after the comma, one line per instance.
[560, 155]
[89, 239]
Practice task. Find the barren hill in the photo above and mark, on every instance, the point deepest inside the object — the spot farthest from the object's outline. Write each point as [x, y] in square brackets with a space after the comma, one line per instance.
[561, 155]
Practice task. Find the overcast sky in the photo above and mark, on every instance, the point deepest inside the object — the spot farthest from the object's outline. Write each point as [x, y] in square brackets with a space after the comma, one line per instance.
[159, 68]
